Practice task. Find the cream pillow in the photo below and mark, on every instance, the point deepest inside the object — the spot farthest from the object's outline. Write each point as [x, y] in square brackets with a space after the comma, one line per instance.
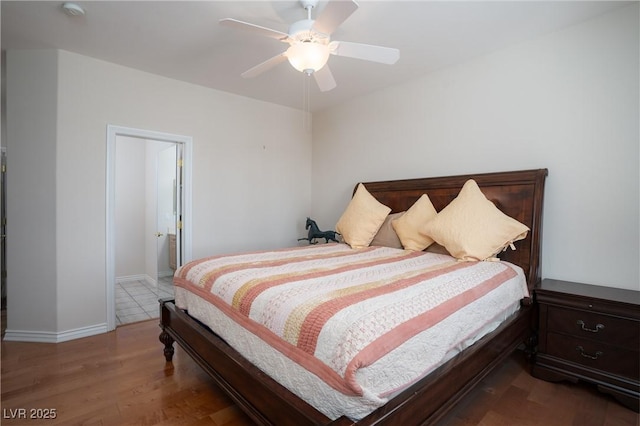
[408, 226]
[472, 228]
[386, 236]
[362, 218]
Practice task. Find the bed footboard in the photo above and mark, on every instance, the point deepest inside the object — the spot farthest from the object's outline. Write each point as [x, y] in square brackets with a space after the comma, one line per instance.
[267, 402]
[261, 397]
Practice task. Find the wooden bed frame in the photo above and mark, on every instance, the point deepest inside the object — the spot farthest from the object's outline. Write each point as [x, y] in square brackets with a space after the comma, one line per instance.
[519, 194]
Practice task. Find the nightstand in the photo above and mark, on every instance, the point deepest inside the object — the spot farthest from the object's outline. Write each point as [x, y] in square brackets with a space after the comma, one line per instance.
[589, 333]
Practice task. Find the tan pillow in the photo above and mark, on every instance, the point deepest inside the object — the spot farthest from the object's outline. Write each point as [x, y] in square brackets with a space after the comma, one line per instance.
[386, 236]
[408, 226]
[362, 218]
[437, 248]
[472, 228]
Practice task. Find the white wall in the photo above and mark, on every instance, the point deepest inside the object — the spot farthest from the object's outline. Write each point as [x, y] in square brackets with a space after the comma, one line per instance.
[251, 177]
[130, 178]
[567, 101]
[31, 191]
[3, 98]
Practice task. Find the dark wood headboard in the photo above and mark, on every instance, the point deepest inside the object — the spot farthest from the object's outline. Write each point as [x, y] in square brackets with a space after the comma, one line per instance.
[518, 194]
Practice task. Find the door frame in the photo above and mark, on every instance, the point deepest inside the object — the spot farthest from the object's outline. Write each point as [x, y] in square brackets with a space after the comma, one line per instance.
[113, 131]
[3, 230]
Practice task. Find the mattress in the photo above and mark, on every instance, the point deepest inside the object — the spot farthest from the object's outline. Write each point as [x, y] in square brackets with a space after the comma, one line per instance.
[346, 329]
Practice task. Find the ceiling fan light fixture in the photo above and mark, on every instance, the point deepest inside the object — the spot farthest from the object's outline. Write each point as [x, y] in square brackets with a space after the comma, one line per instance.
[308, 57]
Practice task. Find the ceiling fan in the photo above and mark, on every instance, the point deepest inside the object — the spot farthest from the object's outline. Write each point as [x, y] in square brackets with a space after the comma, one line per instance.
[310, 43]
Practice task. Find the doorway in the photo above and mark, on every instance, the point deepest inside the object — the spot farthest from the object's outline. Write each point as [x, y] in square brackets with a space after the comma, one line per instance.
[148, 219]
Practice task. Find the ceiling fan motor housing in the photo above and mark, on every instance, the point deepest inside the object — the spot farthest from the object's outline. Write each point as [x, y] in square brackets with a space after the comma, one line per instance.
[302, 31]
[309, 4]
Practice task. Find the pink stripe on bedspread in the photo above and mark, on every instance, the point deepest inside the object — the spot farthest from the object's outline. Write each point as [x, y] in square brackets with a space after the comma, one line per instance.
[408, 329]
[264, 285]
[308, 361]
[317, 319]
[209, 279]
[223, 283]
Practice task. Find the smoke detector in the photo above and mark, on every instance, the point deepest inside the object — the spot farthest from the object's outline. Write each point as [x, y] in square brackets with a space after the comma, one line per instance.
[72, 9]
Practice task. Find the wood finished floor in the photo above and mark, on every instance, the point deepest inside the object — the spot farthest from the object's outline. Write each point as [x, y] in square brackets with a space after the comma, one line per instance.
[120, 378]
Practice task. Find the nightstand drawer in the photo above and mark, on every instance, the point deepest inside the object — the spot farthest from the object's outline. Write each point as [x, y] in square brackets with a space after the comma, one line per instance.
[590, 325]
[615, 360]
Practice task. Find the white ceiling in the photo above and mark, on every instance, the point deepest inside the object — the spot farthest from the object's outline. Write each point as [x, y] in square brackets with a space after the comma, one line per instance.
[183, 40]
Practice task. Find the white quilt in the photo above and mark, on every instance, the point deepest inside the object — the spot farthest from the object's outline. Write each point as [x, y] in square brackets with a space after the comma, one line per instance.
[346, 329]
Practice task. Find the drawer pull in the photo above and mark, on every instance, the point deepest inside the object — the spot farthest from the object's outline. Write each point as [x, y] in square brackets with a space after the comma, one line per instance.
[591, 330]
[581, 350]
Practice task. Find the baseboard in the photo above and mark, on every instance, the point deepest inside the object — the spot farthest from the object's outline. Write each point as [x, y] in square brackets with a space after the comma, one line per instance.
[53, 337]
[144, 277]
[130, 278]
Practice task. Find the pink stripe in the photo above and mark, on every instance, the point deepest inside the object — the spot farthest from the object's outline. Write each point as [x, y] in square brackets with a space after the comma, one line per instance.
[308, 361]
[251, 295]
[211, 279]
[184, 270]
[403, 332]
[318, 317]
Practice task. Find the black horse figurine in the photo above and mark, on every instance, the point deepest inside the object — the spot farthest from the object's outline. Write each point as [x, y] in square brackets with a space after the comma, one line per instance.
[315, 232]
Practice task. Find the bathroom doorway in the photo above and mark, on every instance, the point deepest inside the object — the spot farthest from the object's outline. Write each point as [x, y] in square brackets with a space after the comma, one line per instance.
[148, 221]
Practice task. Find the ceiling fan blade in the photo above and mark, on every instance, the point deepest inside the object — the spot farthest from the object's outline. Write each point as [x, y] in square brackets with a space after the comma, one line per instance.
[385, 55]
[324, 79]
[264, 66]
[334, 14]
[256, 29]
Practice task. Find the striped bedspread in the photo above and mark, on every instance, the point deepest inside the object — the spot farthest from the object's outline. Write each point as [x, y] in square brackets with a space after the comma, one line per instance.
[351, 317]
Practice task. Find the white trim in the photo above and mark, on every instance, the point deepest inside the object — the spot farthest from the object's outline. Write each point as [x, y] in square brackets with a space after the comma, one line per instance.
[53, 337]
[112, 132]
[167, 273]
[152, 282]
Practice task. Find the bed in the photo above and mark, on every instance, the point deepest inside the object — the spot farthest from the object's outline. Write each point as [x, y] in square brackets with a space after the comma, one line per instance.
[518, 194]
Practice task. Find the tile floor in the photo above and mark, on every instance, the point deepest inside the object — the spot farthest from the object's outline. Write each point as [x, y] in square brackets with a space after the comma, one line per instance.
[138, 300]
